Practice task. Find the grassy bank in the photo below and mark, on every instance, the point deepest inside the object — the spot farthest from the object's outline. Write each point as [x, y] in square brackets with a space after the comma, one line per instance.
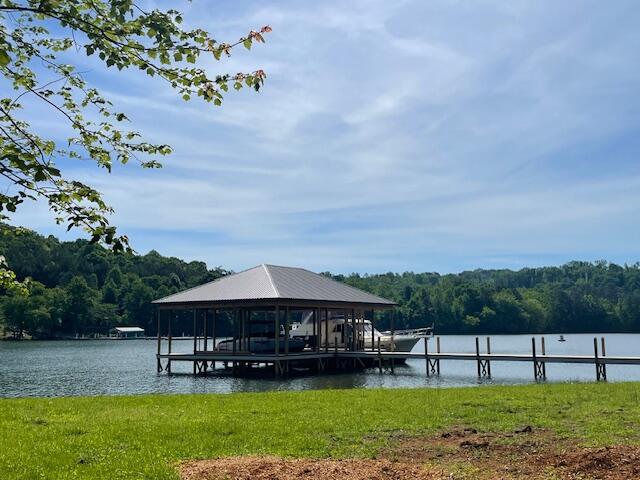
[144, 436]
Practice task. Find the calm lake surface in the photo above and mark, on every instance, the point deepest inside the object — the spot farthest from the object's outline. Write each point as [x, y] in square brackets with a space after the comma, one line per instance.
[111, 367]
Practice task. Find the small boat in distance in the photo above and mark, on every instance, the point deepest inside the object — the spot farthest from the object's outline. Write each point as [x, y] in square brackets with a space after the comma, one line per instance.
[561, 339]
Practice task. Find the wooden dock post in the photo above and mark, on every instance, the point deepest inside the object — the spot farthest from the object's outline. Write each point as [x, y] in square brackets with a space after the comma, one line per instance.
[478, 357]
[488, 353]
[195, 337]
[393, 342]
[214, 320]
[276, 330]
[235, 338]
[379, 356]
[326, 330]
[544, 353]
[426, 355]
[206, 334]
[438, 360]
[276, 341]
[373, 337]
[601, 368]
[354, 333]
[287, 333]
[317, 335]
[158, 362]
[168, 367]
[243, 330]
[317, 328]
[604, 365]
[538, 371]
[483, 365]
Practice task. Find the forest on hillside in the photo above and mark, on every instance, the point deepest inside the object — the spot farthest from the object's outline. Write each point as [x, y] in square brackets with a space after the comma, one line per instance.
[80, 288]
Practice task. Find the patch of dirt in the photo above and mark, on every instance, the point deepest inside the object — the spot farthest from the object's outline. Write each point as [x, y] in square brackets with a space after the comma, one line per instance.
[456, 454]
[525, 453]
[273, 468]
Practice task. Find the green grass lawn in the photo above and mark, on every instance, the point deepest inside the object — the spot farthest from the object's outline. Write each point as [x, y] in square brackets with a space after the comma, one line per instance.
[138, 437]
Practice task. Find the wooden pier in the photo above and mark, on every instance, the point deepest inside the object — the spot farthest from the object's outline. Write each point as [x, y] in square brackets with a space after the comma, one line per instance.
[261, 302]
[333, 359]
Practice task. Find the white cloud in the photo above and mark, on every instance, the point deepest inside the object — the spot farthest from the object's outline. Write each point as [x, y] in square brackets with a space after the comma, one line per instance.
[394, 135]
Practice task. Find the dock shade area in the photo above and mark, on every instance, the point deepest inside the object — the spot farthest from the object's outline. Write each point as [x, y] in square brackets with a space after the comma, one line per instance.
[127, 332]
[269, 315]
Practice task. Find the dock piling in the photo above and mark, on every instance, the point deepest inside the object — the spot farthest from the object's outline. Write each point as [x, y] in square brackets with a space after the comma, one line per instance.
[483, 365]
[544, 353]
[158, 361]
[601, 367]
[195, 337]
[488, 353]
[426, 355]
[538, 366]
[168, 367]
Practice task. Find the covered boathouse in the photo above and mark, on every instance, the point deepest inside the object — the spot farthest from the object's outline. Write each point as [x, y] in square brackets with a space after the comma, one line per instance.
[249, 319]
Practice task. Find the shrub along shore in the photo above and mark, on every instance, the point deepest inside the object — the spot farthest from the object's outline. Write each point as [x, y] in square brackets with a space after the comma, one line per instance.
[147, 436]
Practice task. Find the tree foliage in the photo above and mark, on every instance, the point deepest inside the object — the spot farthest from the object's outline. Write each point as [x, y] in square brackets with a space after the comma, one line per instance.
[575, 297]
[83, 288]
[37, 37]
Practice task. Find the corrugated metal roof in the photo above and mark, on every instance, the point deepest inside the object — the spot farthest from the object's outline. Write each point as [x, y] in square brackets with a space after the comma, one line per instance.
[129, 329]
[274, 282]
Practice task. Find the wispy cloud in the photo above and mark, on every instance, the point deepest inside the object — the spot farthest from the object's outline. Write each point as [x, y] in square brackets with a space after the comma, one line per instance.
[394, 135]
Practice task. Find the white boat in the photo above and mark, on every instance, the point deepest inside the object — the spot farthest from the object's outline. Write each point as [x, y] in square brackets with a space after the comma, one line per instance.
[340, 334]
[260, 340]
[259, 345]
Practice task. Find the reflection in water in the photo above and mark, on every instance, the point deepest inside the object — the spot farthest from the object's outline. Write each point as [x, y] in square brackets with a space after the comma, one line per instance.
[108, 367]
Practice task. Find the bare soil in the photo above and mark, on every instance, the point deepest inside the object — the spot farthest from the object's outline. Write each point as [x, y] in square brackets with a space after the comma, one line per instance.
[456, 454]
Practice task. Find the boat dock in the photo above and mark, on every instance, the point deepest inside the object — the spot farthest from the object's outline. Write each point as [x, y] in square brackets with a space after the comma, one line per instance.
[284, 319]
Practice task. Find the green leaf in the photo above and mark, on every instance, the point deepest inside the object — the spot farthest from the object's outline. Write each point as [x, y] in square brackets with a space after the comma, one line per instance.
[247, 43]
[217, 102]
[4, 58]
[186, 97]
[177, 57]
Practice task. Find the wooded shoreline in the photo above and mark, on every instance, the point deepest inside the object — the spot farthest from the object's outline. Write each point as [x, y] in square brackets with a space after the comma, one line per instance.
[82, 288]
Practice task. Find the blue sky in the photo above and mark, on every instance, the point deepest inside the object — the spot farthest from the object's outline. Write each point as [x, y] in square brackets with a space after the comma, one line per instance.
[391, 136]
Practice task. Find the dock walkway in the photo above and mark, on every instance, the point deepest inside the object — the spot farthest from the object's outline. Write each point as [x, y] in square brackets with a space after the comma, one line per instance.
[341, 359]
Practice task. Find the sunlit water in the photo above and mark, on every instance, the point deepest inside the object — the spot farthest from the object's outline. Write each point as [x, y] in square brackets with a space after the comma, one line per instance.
[109, 367]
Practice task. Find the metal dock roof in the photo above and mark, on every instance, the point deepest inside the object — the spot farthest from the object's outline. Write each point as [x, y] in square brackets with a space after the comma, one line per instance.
[271, 282]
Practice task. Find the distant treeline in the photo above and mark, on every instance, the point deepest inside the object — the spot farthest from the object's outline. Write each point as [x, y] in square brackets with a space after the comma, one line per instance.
[82, 288]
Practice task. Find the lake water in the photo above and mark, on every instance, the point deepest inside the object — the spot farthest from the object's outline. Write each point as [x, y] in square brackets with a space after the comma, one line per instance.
[109, 367]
